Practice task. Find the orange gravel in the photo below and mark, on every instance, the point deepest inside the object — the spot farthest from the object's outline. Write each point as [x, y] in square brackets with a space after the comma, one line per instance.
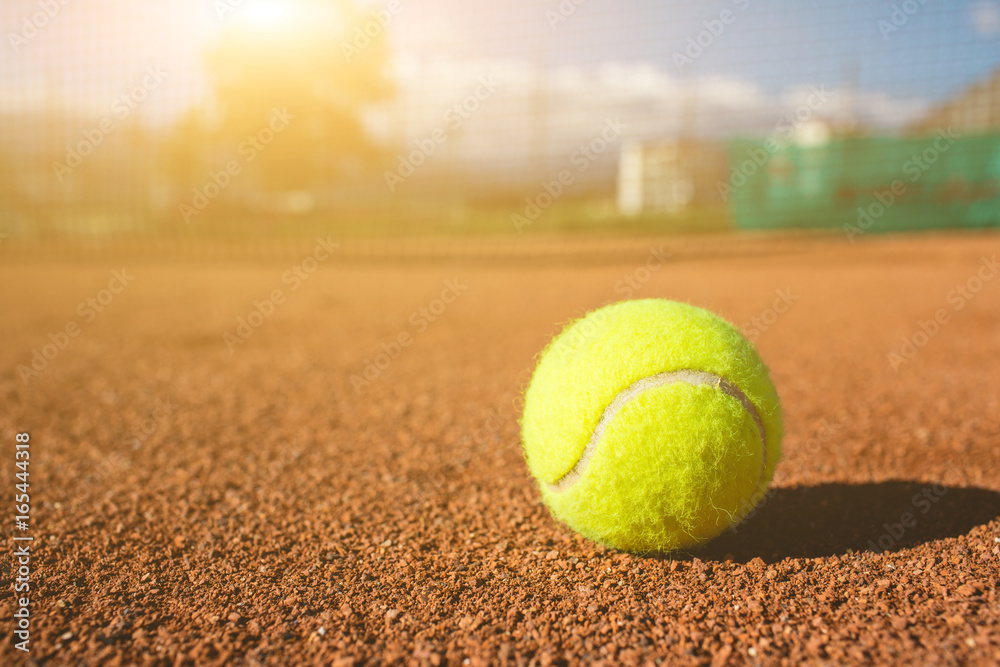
[345, 486]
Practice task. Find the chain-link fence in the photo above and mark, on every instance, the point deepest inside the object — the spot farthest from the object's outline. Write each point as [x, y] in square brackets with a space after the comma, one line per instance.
[467, 125]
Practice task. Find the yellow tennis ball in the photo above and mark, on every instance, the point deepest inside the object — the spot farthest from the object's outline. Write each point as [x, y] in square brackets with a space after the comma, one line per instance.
[651, 425]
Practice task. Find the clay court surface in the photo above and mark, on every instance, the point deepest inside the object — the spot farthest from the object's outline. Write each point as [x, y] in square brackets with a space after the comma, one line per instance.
[196, 505]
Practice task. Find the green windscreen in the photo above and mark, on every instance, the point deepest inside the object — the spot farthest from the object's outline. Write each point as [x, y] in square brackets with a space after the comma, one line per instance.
[940, 179]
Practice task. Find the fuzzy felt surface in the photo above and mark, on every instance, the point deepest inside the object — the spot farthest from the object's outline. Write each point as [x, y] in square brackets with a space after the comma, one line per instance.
[677, 464]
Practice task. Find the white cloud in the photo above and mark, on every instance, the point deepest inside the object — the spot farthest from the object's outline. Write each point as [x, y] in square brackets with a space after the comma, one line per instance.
[985, 16]
[575, 101]
[883, 111]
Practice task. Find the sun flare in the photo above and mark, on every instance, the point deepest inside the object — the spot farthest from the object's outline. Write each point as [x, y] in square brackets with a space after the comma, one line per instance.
[268, 13]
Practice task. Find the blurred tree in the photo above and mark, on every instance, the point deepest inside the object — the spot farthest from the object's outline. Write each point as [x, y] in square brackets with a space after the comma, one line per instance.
[184, 152]
[291, 80]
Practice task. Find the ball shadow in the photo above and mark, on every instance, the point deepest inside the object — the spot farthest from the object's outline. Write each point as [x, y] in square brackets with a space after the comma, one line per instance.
[830, 519]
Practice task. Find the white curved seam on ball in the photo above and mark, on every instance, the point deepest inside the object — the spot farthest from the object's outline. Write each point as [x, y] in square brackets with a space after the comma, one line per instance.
[691, 377]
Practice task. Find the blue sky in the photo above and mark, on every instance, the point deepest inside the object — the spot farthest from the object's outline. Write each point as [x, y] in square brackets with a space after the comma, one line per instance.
[886, 63]
[941, 47]
[605, 59]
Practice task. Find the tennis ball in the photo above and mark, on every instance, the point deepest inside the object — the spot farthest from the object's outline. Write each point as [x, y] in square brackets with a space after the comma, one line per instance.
[651, 425]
